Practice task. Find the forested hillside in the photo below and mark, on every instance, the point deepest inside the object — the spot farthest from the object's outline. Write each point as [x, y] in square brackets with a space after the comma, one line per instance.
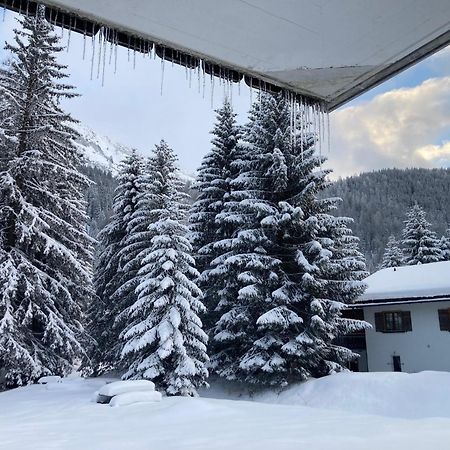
[378, 201]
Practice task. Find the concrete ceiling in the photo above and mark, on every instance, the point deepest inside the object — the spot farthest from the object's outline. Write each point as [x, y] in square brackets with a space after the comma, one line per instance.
[332, 50]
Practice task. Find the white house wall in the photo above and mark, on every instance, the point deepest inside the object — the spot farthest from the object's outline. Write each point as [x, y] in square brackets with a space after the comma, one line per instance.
[426, 347]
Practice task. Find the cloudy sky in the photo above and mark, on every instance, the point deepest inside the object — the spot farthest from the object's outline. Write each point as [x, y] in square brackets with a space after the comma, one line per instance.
[404, 122]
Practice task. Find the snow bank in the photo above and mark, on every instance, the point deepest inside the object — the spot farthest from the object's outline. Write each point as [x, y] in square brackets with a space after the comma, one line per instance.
[122, 387]
[130, 398]
[35, 418]
[391, 394]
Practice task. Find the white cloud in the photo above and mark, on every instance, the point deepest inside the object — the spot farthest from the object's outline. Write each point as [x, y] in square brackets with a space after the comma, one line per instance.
[401, 128]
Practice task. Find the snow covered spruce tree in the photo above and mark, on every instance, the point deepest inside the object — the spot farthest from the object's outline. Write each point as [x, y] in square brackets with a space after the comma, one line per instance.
[213, 185]
[444, 245]
[393, 254]
[45, 253]
[290, 268]
[164, 340]
[420, 243]
[243, 272]
[110, 272]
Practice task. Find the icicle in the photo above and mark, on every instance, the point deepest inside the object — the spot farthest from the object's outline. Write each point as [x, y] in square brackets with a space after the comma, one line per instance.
[152, 50]
[20, 7]
[26, 12]
[128, 51]
[295, 121]
[162, 69]
[69, 33]
[239, 87]
[231, 92]
[291, 121]
[322, 122]
[104, 61]
[190, 72]
[56, 16]
[93, 52]
[100, 45]
[204, 78]
[111, 44]
[328, 131]
[302, 124]
[251, 92]
[198, 76]
[318, 129]
[115, 51]
[212, 91]
[134, 58]
[4, 11]
[62, 25]
[84, 42]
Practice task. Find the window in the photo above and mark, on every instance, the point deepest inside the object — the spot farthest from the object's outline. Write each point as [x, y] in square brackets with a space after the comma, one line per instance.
[444, 319]
[393, 321]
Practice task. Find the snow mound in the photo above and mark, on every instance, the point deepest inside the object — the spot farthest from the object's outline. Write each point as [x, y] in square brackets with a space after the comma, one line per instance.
[50, 379]
[32, 417]
[131, 398]
[389, 394]
[122, 387]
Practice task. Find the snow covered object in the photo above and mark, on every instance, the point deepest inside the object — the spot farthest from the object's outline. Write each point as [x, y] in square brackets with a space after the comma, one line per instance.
[420, 243]
[110, 273]
[164, 340]
[393, 254]
[213, 184]
[45, 253]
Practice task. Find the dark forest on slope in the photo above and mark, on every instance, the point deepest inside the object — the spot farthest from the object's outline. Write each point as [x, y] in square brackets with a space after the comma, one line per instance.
[377, 201]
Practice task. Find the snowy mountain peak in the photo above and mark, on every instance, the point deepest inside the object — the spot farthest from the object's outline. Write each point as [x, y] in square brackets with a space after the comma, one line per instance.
[100, 151]
[104, 153]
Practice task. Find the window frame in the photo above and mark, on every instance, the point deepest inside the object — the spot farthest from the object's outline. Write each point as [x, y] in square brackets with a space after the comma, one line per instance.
[400, 321]
[444, 322]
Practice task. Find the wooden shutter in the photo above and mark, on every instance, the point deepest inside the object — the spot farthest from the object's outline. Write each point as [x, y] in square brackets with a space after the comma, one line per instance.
[406, 321]
[379, 321]
[444, 319]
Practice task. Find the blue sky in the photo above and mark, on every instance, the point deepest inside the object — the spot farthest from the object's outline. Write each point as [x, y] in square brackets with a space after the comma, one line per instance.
[402, 123]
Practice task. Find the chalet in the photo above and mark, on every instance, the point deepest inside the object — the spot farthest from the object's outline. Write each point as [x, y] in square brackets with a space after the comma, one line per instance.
[409, 310]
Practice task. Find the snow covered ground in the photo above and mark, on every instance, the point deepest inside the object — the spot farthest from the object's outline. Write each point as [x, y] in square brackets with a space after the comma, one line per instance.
[365, 411]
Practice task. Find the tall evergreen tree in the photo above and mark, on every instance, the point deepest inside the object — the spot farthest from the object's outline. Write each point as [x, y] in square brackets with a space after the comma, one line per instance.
[164, 340]
[45, 253]
[290, 267]
[420, 243]
[110, 271]
[393, 255]
[243, 272]
[213, 186]
[444, 245]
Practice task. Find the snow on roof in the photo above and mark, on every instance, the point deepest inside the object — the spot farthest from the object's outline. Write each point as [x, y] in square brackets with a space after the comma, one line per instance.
[421, 281]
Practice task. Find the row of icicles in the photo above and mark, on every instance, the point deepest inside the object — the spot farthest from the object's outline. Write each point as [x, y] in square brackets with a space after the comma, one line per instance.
[104, 42]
